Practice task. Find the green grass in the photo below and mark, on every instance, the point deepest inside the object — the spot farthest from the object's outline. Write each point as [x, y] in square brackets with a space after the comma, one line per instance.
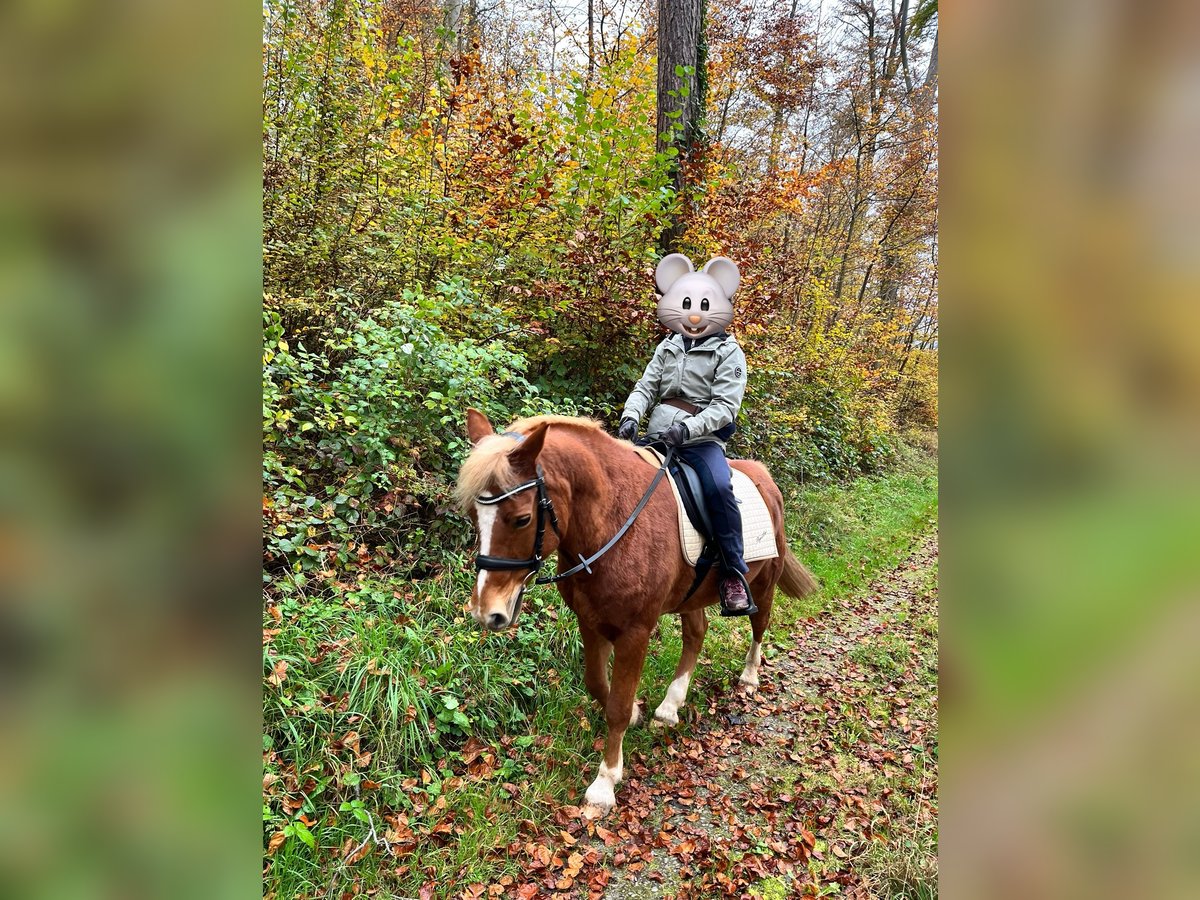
[847, 534]
[402, 666]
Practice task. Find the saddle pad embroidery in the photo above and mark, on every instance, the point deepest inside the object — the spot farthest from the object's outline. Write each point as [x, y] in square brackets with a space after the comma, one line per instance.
[758, 532]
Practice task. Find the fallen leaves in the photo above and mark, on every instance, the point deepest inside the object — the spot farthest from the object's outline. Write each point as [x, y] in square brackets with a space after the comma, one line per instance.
[799, 778]
[279, 673]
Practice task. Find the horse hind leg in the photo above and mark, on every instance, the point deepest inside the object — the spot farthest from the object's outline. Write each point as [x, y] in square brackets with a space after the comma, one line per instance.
[695, 624]
[758, 627]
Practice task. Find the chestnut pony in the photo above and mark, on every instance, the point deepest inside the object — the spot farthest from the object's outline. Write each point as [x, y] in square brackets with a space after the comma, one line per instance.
[593, 482]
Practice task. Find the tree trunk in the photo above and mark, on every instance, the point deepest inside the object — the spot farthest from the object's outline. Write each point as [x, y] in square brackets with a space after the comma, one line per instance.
[680, 26]
[932, 71]
[591, 13]
[908, 84]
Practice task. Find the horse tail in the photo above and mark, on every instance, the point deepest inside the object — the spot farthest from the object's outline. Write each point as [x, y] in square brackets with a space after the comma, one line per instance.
[796, 581]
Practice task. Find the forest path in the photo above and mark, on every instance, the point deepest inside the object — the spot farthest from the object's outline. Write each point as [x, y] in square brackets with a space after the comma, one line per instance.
[824, 781]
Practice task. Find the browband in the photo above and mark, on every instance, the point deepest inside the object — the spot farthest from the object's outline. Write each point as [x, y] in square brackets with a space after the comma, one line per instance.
[492, 501]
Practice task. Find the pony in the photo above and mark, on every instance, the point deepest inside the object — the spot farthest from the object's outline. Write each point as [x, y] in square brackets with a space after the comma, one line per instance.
[585, 483]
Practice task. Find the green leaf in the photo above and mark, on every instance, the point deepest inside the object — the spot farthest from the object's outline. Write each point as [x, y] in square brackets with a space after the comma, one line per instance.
[301, 831]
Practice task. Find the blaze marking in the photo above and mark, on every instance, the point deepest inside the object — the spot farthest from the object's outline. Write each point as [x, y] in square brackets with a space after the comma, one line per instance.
[487, 520]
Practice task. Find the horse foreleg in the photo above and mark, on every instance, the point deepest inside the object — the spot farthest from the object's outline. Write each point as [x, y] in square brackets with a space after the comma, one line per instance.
[596, 651]
[630, 655]
[695, 624]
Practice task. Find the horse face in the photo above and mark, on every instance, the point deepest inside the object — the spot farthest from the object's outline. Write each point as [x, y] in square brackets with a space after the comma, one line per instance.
[506, 530]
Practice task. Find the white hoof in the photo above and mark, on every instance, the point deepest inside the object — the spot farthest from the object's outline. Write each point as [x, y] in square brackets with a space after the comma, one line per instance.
[600, 798]
[665, 718]
[667, 714]
[749, 679]
[636, 716]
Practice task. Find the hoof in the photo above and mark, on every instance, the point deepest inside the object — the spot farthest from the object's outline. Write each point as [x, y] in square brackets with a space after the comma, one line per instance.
[748, 685]
[636, 716]
[591, 812]
[600, 799]
[664, 720]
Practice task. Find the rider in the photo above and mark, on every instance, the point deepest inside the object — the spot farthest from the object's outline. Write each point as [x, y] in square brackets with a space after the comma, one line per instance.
[693, 388]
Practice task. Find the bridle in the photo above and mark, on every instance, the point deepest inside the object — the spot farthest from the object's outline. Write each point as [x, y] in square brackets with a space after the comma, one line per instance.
[545, 512]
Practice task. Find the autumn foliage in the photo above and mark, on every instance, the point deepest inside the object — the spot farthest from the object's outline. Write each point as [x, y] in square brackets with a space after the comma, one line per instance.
[501, 200]
[463, 207]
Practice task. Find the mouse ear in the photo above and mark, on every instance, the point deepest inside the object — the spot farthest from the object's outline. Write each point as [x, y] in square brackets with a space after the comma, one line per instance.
[725, 272]
[670, 269]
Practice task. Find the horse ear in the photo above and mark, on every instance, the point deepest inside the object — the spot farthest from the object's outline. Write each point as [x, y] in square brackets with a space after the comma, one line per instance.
[670, 269]
[478, 426]
[524, 456]
[725, 272]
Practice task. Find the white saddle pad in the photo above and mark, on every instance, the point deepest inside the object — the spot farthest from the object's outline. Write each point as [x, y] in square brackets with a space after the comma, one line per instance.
[758, 531]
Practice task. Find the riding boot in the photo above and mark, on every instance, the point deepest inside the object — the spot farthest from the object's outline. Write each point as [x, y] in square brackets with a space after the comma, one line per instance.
[736, 599]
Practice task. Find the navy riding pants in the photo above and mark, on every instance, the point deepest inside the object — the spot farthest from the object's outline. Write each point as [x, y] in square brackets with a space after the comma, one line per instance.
[710, 463]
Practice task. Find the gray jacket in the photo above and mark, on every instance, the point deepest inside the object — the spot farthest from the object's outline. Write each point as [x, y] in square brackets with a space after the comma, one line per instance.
[711, 375]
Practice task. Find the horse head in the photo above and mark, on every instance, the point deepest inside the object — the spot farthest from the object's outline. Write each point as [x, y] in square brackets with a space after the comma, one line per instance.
[500, 487]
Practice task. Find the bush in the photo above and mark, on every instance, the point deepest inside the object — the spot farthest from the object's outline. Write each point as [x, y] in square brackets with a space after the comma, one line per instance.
[362, 437]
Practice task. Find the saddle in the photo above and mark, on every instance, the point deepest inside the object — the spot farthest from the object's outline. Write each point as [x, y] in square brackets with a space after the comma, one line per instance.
[695, 529]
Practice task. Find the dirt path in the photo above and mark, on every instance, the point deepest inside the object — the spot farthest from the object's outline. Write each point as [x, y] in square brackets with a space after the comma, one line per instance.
[823, 782]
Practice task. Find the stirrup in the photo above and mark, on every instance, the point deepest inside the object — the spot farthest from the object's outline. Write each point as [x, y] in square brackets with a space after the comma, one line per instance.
[730, 613]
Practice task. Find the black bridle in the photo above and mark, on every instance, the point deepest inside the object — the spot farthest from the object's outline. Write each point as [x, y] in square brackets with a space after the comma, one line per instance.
[545, 512]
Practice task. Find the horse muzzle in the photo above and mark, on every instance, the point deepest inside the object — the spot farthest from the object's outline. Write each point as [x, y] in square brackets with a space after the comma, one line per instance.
[499, 620]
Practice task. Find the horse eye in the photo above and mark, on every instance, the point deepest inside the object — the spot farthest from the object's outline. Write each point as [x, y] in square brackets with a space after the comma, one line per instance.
[521, 522]
[704, 304]
[687, 302]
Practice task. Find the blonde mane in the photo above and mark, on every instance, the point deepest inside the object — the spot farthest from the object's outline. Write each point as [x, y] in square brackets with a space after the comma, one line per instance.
[488, 463]
[524, 426]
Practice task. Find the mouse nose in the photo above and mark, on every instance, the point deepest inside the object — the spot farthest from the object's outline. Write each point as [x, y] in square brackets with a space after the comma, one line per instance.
[695, 320]
[496, 621]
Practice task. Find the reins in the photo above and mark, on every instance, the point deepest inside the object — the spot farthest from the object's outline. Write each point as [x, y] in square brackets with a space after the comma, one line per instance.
[545, 510]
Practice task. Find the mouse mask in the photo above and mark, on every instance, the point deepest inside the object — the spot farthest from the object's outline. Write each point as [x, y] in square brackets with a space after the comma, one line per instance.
[696, 304]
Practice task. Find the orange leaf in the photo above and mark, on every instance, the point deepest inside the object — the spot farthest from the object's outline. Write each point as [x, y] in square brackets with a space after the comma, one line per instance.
[279, 675]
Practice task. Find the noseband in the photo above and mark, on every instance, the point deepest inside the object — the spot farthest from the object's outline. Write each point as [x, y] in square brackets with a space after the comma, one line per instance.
[545, 511]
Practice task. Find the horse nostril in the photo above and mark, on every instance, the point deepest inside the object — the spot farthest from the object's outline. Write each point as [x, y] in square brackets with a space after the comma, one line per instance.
[496, 621]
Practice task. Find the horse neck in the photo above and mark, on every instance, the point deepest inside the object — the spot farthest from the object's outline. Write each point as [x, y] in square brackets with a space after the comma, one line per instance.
[601, 481]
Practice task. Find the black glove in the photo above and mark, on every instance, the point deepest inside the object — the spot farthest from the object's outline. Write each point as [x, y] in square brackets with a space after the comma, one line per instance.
[675, 435]
[627, 430]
